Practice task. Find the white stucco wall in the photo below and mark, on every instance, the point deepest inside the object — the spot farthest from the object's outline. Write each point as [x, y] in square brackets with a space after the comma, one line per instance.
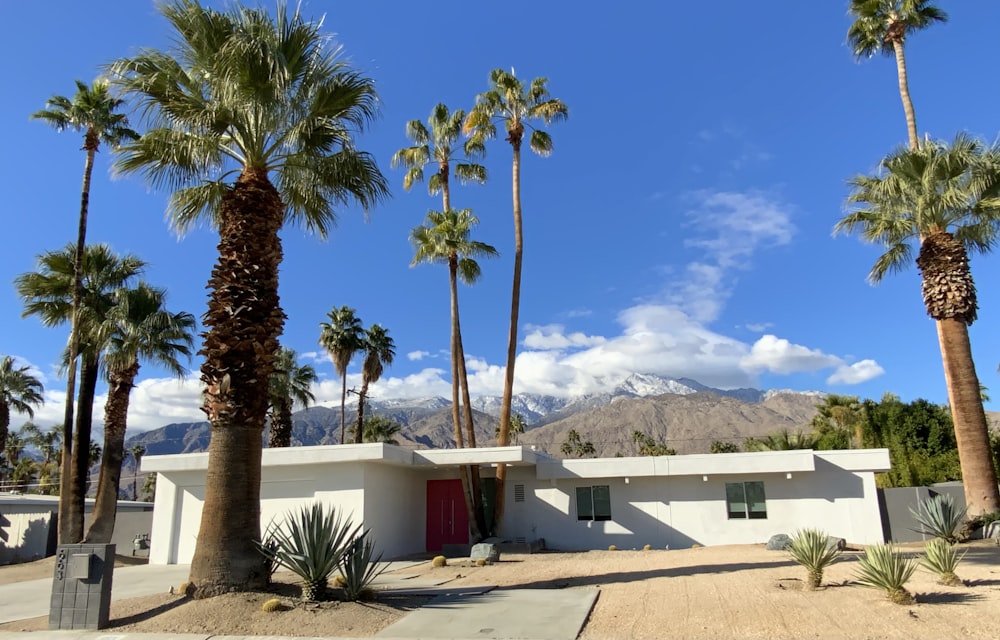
[678, 511]
[396, 509]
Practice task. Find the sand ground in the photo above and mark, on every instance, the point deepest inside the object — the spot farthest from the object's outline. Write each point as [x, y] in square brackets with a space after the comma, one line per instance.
[728, 592]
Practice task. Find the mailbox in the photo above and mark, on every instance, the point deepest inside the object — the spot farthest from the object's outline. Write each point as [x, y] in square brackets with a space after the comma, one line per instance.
[81, 586]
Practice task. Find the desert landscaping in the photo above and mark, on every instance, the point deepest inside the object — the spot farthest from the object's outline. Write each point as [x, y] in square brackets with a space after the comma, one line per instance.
[736, 591]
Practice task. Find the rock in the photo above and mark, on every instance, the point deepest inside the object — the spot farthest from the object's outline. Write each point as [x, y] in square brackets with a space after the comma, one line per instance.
[779, 542]
[485, 550]
[839, 543]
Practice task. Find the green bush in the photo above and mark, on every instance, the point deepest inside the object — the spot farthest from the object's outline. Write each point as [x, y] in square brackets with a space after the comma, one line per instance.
[311, 543]
[942, 558]
[938, 517]
[882, 567]
[359, 568]
[811, 549]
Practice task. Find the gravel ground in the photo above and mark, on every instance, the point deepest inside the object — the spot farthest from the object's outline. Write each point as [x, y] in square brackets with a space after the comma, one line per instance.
[724, 592]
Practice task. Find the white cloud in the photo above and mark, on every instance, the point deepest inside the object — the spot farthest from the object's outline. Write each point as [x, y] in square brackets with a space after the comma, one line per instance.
[759, 327]
[553, 337]
[579, 313]
[417, 355]
[734, 225]
[778, 355]
[856, 373]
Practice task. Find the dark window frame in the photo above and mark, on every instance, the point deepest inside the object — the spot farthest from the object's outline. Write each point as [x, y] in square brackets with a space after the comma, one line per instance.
[593, 503]
[752, 499]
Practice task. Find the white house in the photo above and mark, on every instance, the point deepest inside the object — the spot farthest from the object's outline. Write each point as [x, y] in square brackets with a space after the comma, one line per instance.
[412, 500]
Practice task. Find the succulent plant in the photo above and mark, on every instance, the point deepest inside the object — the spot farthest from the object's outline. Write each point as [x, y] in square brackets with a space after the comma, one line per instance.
[272, 605]
[882, 567]
[439, 561]
[811, 549]
[942, 558]
[939, 517]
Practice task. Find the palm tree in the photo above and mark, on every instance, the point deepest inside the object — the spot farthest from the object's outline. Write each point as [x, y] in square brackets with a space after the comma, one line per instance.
[379, 351]
[342, 337]
[382, 429]
[138, 327]
[517, 425]
[516, 106]
[20, 391]
[943, 199]
[252, 119]
[92, 110]
[290, 384]
[783, 440]
[882, 26]
[12, 451]
[444, 238]
[48, 444]
[137, 452]
[48, 294]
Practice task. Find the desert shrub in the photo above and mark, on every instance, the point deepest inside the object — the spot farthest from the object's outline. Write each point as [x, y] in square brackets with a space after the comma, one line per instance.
[359, 567]
[439, 561]
[311, 543]
[272, 605]
[186, 589]
[811, 549]
[481, 562]
[942, 558]
[882, 567]
[646, 547]
[612, 547]
[939, 517]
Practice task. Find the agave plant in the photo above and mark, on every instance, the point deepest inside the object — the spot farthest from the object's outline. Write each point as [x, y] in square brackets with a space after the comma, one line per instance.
[942, 559]
[311, 543]
[812, 549]
[939, 517]
[882, 567]
[359, 567]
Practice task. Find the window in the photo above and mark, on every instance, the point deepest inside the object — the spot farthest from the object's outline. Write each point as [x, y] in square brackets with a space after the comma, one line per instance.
[593, 503]
[746, 500]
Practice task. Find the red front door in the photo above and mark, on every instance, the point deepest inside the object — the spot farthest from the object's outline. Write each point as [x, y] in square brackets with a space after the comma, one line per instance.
[447, 519]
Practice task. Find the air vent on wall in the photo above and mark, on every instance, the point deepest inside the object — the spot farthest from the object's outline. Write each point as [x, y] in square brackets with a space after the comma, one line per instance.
[518, 493]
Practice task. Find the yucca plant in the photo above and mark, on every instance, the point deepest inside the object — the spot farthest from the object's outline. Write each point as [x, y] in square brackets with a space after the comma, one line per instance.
[311, 543]
[811, 548]
[882, 567]
[942, 559]
[359, 567]
[939, 517]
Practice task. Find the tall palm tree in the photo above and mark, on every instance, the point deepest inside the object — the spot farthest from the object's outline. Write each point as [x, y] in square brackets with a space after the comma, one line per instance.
[444, 238]
[20, 391]
[342, 337]
[48, 294]
[517, 425]
[945, 200]
[510, 102]
[252, 119]
[137, 452]
[882, 26]
[137, 328]
[94, 111]
[290, 384]
[382, 429]
[380, 349]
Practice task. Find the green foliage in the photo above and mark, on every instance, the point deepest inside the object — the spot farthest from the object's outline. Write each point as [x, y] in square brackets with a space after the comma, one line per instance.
[359, 568]
[718, 446]
[311, 543]
[574, 446]
[882, 567]
[612, 547]
[942, 558]
[650, 447]
[381, 429]
[920, 438]
[783, 440]
[811, 549]
[938, 517]
[439, 561]
[646, 547]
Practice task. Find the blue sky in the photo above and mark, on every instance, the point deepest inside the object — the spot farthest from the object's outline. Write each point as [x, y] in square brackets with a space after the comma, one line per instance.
[681, 227]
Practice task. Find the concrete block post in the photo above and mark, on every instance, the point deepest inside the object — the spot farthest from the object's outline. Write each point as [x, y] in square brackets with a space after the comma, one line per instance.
[81, 586]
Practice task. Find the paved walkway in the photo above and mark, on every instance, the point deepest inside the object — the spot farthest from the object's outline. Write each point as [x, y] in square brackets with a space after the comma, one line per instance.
[457, 612]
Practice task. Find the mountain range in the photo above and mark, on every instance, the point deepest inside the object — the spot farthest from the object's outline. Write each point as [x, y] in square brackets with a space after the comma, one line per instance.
[681, 413]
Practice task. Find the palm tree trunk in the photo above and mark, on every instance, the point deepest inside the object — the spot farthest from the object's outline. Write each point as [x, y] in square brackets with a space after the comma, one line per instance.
[135, 475]
[80, 468]
[343, 405]
[971, 429]
[4, 423]
[239, 353]
[904, 94]
[67, 534]
[515, 306]
[359, 430]
[115, 420]
[281, 426]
